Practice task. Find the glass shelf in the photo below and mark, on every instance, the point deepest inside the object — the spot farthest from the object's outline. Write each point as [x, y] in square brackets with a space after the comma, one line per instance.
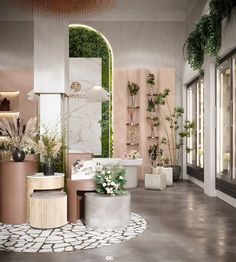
[8, 112]
[132, 144]
[132, 124]
[152, 94]
[152, 117]
[133, 107]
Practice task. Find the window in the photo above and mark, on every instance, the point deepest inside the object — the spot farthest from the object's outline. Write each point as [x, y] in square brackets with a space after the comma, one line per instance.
[195, 112]
[226, 119]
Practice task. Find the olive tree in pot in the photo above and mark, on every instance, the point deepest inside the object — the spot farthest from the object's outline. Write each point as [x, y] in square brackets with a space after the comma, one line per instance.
[170, 123]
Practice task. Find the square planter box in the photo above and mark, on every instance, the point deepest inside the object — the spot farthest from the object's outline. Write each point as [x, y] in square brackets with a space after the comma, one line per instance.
[155, 181]
[107, 212]
[168, 171]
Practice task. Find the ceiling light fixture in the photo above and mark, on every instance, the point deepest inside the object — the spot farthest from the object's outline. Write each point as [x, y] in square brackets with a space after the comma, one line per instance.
[65, 9]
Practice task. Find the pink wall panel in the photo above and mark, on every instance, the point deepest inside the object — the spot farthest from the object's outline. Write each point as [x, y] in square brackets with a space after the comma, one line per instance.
[20, 80]
[165, 78]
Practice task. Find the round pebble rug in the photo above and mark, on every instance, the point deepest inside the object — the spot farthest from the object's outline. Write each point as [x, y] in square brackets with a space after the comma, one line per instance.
[23, 238]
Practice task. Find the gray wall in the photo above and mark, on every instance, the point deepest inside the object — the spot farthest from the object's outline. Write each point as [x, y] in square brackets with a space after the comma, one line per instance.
[144, 44]
[16, 44]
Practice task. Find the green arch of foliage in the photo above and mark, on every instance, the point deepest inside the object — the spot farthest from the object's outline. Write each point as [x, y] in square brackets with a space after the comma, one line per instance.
[206, 38]
[85, 42]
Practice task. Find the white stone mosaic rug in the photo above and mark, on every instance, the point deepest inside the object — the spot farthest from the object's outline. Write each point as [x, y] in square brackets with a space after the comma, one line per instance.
[71, 237]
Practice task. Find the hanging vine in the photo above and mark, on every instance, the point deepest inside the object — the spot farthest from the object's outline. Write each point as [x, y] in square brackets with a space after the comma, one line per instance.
[206, 38]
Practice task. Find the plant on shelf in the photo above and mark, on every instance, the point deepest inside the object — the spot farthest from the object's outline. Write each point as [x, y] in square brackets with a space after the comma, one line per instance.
[152, 152]
[4, 104]
[206, 38]
[173, 138]
[151, 81]
[133, 91]
[133, 154]
[151, 106]
[110, 180]
[19, 135]
[48, 146]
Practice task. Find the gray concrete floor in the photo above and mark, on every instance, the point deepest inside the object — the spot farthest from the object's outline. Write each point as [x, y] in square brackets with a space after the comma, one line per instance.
[183, 225]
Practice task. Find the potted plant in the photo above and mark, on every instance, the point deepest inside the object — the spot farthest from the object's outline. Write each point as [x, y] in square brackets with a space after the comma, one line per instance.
[110, 180]
[133, 154]
[151, 81]
[173, 138]
[152, 152]
[151, 106]
[133, 90]
[5, 105]
[19, 135]
[48, 146]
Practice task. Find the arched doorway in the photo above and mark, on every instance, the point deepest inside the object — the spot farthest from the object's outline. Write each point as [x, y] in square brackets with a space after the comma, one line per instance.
[86, 42]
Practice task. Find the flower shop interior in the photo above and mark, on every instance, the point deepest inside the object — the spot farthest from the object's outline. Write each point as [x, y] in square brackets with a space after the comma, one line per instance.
[117, 130]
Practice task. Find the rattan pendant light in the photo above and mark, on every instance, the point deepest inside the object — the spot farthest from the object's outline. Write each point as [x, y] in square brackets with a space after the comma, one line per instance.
[66, 9]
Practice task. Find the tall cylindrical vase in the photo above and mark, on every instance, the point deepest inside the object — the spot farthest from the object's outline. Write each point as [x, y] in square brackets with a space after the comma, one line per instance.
[48, 168]
[133, 100]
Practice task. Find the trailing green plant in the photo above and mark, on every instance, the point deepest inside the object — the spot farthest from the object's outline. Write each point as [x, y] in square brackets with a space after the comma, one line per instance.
[133, 88]
[151, 79]
[170, 123]
[84, 42]
[110, 180]
[206, 38]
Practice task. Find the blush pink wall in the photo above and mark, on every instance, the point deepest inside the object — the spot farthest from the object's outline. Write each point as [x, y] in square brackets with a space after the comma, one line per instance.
[20, 80]
[165, 78]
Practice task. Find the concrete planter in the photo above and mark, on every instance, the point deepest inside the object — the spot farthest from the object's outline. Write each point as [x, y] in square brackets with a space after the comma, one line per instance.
[107, 212]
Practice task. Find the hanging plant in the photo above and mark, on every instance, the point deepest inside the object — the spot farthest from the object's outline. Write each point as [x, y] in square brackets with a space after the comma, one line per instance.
[206, 38]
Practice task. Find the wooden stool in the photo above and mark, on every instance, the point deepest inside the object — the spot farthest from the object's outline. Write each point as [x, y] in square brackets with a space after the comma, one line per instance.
[48, 209]
[155, 181]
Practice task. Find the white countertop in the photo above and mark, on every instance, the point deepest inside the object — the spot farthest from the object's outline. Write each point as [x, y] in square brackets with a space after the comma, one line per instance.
[41, 175]
[116, 161]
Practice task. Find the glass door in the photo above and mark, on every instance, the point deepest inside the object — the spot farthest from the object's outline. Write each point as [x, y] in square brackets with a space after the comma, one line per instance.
[224, 121]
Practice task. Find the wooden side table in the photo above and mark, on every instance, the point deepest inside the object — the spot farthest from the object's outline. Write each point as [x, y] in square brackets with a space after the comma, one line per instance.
[13, 190]
[40, 182]
[75, 197]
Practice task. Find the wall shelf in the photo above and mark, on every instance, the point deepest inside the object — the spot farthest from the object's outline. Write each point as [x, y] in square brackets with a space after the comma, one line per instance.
[132, 144]
[152, 94]
[153, 137]
[133, 107]
[132, 124]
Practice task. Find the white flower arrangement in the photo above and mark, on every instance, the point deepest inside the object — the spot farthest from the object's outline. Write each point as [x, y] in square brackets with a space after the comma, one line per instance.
[110, 180]
[133, 154]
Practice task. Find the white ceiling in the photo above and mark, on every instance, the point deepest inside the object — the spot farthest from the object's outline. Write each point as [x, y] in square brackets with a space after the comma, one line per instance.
[123, 10]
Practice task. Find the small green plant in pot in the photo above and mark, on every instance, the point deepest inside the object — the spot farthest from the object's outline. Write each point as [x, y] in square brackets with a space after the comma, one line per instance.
[172, 137]
[133, 91]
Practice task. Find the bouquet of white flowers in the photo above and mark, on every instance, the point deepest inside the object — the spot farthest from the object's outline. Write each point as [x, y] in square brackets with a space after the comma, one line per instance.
[133, 154]
[110, 180]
